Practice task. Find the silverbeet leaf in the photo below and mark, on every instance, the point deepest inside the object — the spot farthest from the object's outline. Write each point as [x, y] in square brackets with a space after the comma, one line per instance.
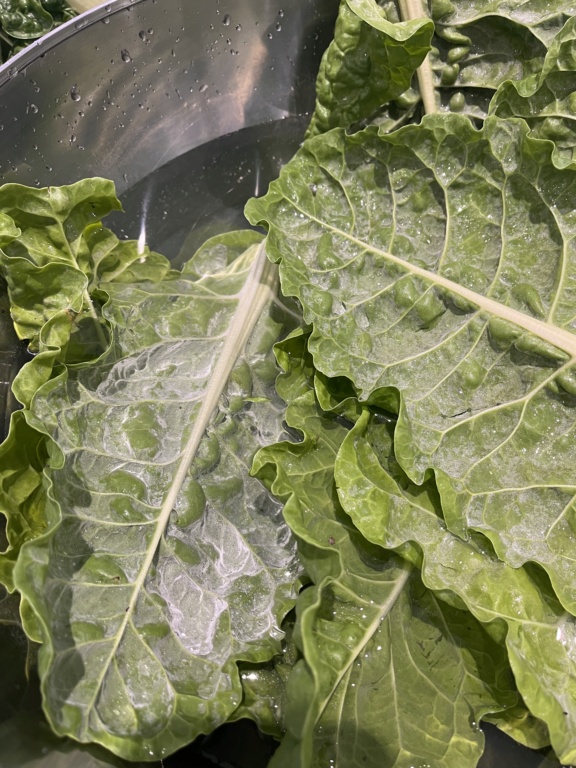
[547, 100]
[55, 252]
[517, 603]
[391, 676]
[163, 563]
[370, 61]
[479, 45]
[264, 686]
[436, 266]
[55, 255]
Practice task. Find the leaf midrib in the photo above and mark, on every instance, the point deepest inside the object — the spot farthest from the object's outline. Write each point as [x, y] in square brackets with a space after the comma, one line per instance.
[258, 290]
[553, 334]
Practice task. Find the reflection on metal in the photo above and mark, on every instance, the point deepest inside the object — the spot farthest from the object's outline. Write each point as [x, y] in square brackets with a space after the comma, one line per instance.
[74, 104]
[189, 79]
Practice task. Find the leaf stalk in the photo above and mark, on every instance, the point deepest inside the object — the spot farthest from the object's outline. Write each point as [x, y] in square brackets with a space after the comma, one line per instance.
[409, 11]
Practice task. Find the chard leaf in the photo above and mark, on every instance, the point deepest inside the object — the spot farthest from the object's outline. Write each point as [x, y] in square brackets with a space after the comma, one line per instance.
[61, 253]
[25, 21]
[264, 686]
[436, 266]
[473, 50]
[546, 100]
[540, 636]
[23, 457]
[55, 256]
[369, 629]
[163, 563]
[471, 57]
[26, 740]
[543, 19]
[370, 61]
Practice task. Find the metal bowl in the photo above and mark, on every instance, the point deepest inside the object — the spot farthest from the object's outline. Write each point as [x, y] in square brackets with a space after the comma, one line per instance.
[129, 87]
[190, 106]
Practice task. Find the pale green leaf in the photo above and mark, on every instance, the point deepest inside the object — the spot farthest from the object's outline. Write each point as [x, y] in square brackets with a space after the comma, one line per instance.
[540, 636]
[62, 253]
[437, 266]
[544, 18]
[390, 676]
[547, 100]
[22, 494]
[370, 61]
[164, 563]
[264, 686]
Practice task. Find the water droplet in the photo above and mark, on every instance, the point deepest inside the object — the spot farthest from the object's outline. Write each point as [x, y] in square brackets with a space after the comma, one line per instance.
[143, 36]
[72, 139]
[75, 93]
[226, 20]
[270, 35]
[105, 20]
[281, 13]
[238, 27]
[203, 88]
[34, 109]
[126, 56]
[313, 189]
[278, 27]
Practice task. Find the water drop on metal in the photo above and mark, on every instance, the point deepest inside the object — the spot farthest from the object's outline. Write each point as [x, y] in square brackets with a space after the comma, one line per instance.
[105, 20]
[278, 27]
[126, 56]
[226, 20]
[75, 93]
[203, 88]
[34, 109]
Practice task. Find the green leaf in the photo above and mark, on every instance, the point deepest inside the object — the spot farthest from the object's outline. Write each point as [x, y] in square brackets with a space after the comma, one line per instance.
[546, 100]
[164, 563]
[25, 19]
[544, 19]
[23, 457]
[264, 686]
[472, 56]
[370, 61]
[390, 675]
[436, 266]
[55, 256]
[539, 635]
[62, 252]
